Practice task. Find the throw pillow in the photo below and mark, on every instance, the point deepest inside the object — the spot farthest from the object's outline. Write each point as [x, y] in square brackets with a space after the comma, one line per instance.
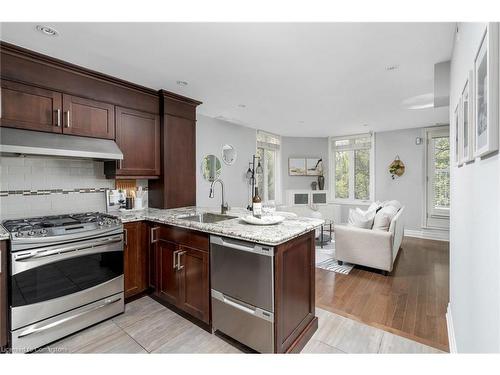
[393, 203]
[375, 206]
[382, 220]
[361, 219]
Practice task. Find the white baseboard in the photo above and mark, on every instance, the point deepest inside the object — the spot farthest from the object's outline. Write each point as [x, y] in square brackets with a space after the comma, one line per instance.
[451, 331]
[428, 234]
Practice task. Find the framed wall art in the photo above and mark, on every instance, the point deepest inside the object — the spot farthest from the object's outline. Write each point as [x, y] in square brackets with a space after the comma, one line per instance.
[486, 93]
[297, 166]
[314, 166]
[466, 133]
[456, 133]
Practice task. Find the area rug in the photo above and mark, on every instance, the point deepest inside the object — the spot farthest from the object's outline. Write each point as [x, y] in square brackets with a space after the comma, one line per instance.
[325, 259]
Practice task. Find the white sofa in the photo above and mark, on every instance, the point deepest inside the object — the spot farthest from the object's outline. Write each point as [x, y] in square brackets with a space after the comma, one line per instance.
[368, 247]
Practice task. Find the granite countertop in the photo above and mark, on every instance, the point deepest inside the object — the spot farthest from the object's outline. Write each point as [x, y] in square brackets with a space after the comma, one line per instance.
[236, 228]
[4, 235]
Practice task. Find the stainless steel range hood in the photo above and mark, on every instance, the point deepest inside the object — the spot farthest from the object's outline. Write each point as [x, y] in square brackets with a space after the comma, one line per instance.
[26, 142]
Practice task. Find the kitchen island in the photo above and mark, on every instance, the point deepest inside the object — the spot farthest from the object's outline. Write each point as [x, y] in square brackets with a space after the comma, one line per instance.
[184, 272]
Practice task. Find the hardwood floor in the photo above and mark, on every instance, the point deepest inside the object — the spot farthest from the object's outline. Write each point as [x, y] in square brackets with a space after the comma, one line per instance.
[410, 302]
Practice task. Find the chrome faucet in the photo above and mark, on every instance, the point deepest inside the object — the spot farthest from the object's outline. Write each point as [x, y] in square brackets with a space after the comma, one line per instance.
[223, 207]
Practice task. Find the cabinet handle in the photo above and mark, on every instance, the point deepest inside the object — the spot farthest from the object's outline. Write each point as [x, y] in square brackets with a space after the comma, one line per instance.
[125, 236]
[174, 255]
[179, 266]
[58, 117]
[153, 230]
[120, 164]
[68, 119]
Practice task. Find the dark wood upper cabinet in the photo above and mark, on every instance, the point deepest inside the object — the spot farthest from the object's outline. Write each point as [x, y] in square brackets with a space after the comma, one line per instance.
[135, 258]
[176, 186]
[88, 118]
[138, 136]
[32, 108]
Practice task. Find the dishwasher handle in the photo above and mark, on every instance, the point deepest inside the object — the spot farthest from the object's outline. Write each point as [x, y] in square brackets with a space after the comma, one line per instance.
[243, 246]
[252, 310]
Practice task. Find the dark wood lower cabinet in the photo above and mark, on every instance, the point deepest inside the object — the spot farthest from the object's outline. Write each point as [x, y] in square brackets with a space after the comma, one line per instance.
[174, 263]
[135, 258]
[182, 271]
[295, 320]
[194, 283]
[3, 294]
[167, 278]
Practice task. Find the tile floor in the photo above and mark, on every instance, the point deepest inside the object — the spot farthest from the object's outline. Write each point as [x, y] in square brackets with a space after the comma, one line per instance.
[149, 327]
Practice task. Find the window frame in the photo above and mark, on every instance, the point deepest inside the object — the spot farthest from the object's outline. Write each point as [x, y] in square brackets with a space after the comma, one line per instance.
[351, 155]
[432, 217]
[276, 147]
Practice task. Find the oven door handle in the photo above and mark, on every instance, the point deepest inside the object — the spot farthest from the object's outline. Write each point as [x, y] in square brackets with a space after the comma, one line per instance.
[29, 260]
[35, 329]
[67, 249]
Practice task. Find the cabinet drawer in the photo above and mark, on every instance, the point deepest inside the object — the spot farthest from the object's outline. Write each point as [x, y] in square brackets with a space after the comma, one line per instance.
[186, 237]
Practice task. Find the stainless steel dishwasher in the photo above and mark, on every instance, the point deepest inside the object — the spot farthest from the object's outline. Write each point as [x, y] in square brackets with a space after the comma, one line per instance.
[242, 276]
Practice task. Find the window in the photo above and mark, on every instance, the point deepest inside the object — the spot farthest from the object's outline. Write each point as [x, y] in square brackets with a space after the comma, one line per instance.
[268, 148]
[352, 164]
[438, 177]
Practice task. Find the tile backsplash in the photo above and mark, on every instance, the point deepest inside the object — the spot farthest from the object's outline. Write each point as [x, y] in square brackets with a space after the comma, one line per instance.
[36, 186]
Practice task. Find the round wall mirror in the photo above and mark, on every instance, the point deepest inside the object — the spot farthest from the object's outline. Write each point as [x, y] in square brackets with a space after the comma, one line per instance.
[210, 167]
[228, 154]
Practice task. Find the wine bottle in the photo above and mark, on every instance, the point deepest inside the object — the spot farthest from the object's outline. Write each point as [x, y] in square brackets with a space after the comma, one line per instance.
[257, 204]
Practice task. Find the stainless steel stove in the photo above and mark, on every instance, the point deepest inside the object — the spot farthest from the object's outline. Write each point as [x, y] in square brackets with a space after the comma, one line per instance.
[66, 273]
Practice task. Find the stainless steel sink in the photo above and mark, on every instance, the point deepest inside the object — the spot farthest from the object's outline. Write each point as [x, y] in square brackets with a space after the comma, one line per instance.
[206, 217]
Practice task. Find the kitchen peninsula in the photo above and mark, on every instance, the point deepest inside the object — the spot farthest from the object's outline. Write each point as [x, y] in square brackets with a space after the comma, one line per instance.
[180, 269]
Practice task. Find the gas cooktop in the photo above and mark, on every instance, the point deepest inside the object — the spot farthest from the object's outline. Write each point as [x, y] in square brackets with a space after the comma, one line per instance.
[57, 225]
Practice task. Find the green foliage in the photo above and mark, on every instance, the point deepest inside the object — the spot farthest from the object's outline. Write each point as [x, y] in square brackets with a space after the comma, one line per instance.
[362, 174]
[341, 174]
[442, 172]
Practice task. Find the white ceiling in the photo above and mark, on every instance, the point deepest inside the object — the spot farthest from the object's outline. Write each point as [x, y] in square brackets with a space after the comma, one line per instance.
[296, 79]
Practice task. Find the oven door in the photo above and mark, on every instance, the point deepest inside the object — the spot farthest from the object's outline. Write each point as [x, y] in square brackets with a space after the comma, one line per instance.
[52, 280]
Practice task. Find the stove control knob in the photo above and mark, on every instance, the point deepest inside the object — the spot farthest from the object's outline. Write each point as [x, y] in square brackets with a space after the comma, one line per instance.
[43, 232]
[18, 234]
[31, 233]
[100, 223]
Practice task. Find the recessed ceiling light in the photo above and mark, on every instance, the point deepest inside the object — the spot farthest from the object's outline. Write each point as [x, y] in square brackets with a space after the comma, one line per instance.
[242, 105]
[392, 67]
[301, 121]
[365, 124]
[182, 83]
[49, 31]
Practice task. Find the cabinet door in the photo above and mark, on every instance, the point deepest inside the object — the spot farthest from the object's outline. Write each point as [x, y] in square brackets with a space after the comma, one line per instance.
[88, 118]
[153, 258]
[31, 108]
[194, 283]
[167, 287]
[135, 258]
[138, 136]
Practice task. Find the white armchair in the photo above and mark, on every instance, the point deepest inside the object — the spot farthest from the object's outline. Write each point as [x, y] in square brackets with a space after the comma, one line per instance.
[371, 248]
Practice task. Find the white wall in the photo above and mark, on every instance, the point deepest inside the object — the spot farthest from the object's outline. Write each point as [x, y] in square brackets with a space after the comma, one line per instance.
[409, 188]
[302, 147]
[211, 135]
[475, 223]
